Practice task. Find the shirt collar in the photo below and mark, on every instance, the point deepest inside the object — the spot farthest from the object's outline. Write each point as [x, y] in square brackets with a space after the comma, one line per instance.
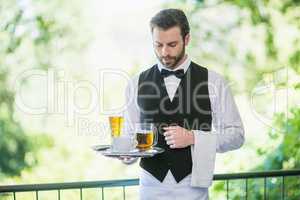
[185, 65]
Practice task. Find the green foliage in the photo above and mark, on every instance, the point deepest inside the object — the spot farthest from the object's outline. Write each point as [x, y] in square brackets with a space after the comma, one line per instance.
[287, 154]
[295, 60]
[20, 31]
[18, 150]
[255, 7]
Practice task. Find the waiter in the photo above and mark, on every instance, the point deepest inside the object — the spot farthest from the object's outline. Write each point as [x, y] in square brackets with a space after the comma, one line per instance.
[194, 112]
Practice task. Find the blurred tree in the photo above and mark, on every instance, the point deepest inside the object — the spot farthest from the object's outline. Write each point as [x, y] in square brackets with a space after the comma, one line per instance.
[29, 36]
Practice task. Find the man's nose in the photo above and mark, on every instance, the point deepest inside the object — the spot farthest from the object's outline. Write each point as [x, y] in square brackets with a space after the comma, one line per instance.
[165, 51]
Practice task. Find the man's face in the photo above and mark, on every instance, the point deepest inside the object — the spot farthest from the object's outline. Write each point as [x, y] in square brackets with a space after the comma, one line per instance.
[169, 46]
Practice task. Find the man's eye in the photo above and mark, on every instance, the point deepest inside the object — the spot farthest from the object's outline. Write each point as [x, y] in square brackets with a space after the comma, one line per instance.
[158, 45]
[172, 45]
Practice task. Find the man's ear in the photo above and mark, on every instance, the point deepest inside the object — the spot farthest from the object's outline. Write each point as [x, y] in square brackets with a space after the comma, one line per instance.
[187, 39]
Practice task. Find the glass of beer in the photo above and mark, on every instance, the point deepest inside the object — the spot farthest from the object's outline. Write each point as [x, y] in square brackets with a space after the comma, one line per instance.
[116, 125]
[146, 136]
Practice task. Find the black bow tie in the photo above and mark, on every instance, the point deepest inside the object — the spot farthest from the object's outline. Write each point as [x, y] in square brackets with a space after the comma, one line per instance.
[178, 73]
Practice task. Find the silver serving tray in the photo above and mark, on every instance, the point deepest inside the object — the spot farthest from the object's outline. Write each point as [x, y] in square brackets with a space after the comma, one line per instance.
[106, 151]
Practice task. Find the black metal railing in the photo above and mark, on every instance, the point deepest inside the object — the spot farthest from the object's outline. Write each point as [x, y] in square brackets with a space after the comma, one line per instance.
[11, 190]
[266, 177]
[223, 181]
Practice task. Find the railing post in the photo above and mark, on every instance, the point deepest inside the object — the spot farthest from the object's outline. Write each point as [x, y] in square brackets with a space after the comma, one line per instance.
[246, 188]
[124, 193]
[227, 189]
[265, 188]
[282, 188]
[102, 189]
[58, 194]
[80, 193]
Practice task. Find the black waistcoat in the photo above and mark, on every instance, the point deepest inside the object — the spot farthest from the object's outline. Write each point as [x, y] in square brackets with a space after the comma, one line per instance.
[190, 108]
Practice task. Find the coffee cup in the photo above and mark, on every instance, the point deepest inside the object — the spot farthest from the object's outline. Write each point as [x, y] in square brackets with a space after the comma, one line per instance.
[123, 144]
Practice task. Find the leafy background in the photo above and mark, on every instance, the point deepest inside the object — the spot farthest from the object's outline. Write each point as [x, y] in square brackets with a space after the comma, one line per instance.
[254, 44]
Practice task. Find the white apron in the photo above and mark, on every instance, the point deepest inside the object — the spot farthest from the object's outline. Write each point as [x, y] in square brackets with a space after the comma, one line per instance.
[152, 189]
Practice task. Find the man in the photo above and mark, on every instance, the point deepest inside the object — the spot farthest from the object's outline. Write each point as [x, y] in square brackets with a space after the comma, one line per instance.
[194, 112]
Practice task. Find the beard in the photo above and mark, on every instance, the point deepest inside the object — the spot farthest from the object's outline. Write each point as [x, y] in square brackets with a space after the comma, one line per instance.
[171, 61]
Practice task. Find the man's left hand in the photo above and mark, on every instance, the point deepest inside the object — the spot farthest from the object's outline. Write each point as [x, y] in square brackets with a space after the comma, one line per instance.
[178, 137]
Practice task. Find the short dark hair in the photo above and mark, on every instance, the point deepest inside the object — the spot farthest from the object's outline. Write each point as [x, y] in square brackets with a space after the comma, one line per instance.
[169, 18]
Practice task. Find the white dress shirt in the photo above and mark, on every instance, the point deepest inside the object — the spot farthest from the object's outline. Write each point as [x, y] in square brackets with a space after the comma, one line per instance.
[227, 128]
